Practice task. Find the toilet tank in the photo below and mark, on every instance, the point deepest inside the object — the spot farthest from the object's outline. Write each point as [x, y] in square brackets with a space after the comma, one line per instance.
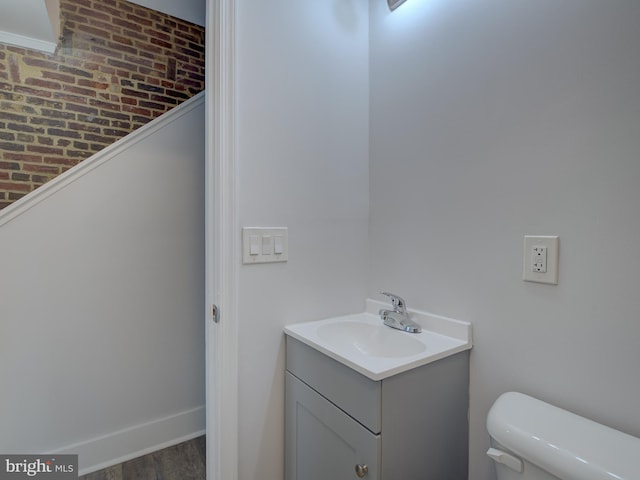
[566, 445]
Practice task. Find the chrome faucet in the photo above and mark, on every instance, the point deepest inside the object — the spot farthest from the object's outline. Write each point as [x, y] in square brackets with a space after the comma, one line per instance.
[398, 317]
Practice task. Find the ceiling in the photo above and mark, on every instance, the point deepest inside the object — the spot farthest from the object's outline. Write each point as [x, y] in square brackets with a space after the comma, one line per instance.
[35, 24]
[190, 10]
[30, 23]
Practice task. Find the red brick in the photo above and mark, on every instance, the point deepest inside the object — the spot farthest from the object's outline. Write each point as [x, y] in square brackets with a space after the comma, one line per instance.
[93, 14]
[83, 127]
[79, 91]
[153, 105]
[107, 105]
[13, 187]
[69, 98]
[21, 127]
[32, 91]
[82, 109]
[25, 138]
[22, 157]
[120, 124]
[135, 35]
[139, 20]
[98, 138]
[120, 64]
[90, 56]
[45, 140]
[100, 6]
[9, 165]
[137, 110]
[126, 24]
[20, 177]
[36, 62]
[160, 43]
[14, 69]
[98, 35]
[107, 52]
[114, 132]
[18, 50]
[117, 115]
[59, 161]
[122, 48]
[40, 178]
[59, 76]
[36, 82]
[12, 147]
[135, 93]
[47, 121]
[17, 196]
[45, 150]
[75, 71]
[78, 154]
[59, 132]
[28, 167]
[58, 113]
[65, 108]
[177, 94]
[122, 39]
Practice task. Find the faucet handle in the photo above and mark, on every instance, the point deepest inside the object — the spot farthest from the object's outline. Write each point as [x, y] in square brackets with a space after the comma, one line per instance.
[399, 305]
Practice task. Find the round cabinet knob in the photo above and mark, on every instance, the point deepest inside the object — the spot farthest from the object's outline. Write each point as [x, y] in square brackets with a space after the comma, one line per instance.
[361, 470]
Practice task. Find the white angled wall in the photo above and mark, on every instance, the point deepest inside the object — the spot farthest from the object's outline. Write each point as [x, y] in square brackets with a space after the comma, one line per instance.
[302, 147]
[101, 300]
[495, 119]
[190, 10]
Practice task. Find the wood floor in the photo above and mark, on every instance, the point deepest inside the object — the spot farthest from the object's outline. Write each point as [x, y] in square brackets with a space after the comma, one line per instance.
[185, 461]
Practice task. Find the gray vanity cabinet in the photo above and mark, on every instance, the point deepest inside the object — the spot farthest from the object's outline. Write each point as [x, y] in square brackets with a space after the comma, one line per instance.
[326, 442]
[340, 425]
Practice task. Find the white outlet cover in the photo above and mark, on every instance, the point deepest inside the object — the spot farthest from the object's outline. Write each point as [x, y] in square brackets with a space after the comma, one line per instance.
[528, 273]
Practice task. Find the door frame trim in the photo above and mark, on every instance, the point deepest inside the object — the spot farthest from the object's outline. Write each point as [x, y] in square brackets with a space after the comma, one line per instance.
[221, 244]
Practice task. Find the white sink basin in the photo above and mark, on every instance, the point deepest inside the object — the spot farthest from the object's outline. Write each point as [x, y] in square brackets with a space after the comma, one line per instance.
[373, 340]
[362, 342]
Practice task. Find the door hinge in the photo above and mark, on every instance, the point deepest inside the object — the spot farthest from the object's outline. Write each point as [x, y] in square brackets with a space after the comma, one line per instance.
[215, 313]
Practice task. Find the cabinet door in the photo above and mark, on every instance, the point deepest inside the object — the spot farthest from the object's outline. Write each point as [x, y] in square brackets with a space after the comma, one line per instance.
[323, 442]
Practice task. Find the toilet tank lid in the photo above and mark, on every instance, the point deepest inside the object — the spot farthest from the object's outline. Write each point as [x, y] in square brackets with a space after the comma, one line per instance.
[562, 443]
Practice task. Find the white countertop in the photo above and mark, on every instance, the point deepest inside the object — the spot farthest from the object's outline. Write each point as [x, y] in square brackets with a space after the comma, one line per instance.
[362, 342]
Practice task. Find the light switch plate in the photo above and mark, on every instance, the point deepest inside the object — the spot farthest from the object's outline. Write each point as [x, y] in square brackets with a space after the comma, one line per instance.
[263, 241]
[531, 271]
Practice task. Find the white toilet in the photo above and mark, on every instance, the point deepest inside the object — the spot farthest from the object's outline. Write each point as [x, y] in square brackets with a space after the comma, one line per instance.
[532, 440]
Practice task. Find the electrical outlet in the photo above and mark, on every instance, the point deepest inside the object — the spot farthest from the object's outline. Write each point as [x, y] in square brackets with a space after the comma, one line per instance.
[540, 259]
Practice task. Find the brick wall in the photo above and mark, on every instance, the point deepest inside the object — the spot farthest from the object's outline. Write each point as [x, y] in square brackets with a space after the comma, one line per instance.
[118, 66]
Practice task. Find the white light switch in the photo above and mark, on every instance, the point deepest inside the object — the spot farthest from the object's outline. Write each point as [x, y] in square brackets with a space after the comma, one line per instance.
[540, 259]
[254, 244]
[265, 245]
[278, 245]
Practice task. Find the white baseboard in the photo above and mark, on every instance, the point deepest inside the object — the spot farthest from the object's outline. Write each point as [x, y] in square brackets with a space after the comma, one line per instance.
[122, 445]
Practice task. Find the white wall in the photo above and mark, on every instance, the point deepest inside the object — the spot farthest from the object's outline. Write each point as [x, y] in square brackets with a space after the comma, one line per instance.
[33, 24]
[190, 10]
[495, 119]
[101, 300]
[302, 150]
